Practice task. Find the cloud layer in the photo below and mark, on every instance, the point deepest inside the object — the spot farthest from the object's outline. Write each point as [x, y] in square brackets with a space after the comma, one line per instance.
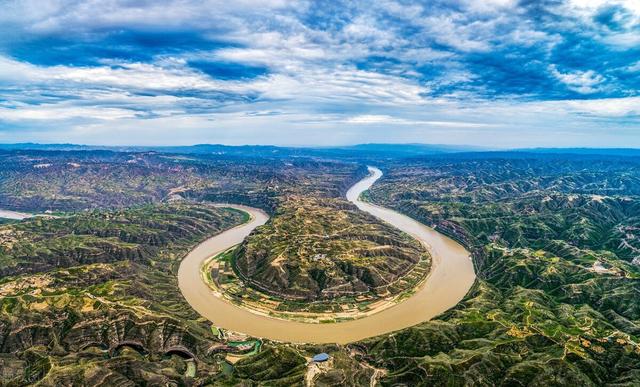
[500, 73]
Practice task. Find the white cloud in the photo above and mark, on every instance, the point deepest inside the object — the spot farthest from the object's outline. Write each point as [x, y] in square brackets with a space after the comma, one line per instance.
[490, 6]
[373, 119]
[623, 41]
[567, 110]
[609, 107]
[634, 67]
[128, 75]
[386, 119]
[49, 112]
[50, 16]
[583, 82]
[590, 7]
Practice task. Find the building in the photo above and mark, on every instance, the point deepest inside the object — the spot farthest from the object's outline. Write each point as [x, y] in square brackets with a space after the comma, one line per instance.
[321, 357]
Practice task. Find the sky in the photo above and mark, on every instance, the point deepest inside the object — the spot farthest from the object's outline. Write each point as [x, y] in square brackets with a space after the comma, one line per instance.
[496, 73]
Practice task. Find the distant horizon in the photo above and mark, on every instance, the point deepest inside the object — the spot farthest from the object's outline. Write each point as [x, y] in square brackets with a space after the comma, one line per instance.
[461, 146]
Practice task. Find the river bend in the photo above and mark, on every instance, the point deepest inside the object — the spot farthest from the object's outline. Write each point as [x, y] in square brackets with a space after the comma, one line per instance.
[451, 276]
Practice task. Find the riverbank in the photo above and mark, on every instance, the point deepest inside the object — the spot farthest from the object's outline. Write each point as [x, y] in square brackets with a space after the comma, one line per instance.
[220, 277]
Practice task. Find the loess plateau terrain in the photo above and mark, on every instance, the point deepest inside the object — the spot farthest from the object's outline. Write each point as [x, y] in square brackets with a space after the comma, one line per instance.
[91, 296]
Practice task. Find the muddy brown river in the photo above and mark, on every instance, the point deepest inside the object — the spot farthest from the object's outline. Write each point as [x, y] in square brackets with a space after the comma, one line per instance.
[452, 275]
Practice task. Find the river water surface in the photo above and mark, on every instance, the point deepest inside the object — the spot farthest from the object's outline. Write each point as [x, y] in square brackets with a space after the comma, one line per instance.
[14, 215]
[450, 278]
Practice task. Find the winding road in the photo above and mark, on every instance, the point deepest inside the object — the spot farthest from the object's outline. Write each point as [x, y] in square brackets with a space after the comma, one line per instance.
[451, 276]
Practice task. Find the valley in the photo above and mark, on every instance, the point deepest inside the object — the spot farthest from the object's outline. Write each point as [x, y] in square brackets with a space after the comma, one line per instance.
[94, 294]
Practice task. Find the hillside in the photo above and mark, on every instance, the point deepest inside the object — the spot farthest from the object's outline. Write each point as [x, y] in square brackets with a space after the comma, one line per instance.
[321, 248]
[554, 244]
[93, 299]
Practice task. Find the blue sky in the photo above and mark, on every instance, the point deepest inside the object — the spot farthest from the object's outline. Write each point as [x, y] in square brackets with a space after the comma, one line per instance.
[499, 73]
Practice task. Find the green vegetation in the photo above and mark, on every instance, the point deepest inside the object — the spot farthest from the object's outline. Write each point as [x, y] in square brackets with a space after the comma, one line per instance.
[324, 248]
[93, 298]
[281, 366]
[37, 181]
[555, 301]
[71, 181]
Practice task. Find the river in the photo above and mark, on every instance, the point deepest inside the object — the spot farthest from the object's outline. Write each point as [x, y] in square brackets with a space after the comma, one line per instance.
[14, 215]
[451, 276]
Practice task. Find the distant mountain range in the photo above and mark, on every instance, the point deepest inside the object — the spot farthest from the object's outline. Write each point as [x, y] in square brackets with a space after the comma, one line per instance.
[585, 151]
[384, 150]
[356, 151]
